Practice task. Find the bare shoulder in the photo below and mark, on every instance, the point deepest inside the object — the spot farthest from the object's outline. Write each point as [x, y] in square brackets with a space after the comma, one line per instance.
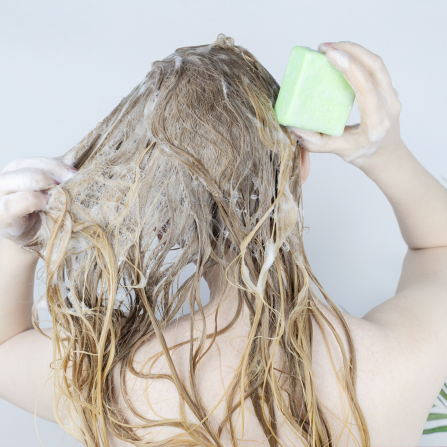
[395, 385]
[415, 321]
[408, 332]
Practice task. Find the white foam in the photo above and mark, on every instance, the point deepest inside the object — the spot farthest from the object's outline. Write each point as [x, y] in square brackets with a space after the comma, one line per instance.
[340, 58]
[151, 104]
[204, 49]
[291, 203]
[224, 86]
[178, 61]
[142, 87]
[77, 244]
[269, 256]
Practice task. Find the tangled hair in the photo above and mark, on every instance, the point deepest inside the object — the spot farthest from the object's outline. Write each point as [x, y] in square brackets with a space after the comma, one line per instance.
[194, 163]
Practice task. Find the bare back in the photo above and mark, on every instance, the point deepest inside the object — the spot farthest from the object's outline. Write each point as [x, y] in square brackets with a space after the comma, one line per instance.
[388, 387]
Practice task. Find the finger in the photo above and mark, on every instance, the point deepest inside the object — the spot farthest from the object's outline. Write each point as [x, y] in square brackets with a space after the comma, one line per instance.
[23, 229]
[371, 107]
[18, 204]
[322, 143]
[22, 225]
[33, 218]
[373, 63]
[314, 141]
[25, 179]
[53, 166]
[71, 157]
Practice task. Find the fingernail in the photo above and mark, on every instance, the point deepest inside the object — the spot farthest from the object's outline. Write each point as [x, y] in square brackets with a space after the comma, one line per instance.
[322, 48]
[339, 57]
[56, 182]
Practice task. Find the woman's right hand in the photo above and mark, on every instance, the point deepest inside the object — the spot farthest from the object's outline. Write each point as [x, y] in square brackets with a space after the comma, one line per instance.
[378, 103]
[21, 198]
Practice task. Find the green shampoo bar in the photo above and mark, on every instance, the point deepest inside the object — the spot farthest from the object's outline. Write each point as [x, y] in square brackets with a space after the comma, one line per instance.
[314, 95]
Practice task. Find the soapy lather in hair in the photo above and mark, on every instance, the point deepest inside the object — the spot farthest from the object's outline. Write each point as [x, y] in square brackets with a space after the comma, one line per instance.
[191, 167]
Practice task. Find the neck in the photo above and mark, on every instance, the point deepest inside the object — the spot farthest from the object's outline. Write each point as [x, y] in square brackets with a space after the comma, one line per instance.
[223, 295]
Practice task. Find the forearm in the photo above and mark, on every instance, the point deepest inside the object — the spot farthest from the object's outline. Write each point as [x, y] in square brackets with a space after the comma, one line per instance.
[17, 270]
[419, 200]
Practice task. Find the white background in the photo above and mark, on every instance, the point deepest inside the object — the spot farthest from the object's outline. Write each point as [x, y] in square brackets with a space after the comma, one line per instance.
[64, 65]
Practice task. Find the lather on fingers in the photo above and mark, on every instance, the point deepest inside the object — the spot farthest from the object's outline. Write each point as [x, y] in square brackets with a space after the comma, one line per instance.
[25, 179]
[21, 184]
[19, 204]
[321, 143]
[53, 166]
[378, 132]
[372, 62]
[369, 100]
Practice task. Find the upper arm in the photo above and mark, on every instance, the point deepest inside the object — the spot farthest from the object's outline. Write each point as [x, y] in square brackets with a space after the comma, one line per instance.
[416, 317]
[25, 373]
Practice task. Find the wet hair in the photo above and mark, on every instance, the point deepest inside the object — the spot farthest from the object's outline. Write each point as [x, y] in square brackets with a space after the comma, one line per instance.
[191, 167]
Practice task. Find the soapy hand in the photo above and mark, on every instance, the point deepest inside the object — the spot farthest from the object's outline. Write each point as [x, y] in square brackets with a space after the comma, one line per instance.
[378, 103]
[24, 187]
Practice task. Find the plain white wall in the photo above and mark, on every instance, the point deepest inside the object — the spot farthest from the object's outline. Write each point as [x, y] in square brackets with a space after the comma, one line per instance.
[65, 65]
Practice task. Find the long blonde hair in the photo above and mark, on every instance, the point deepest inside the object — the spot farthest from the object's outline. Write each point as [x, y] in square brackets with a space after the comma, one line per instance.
[193, 160]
